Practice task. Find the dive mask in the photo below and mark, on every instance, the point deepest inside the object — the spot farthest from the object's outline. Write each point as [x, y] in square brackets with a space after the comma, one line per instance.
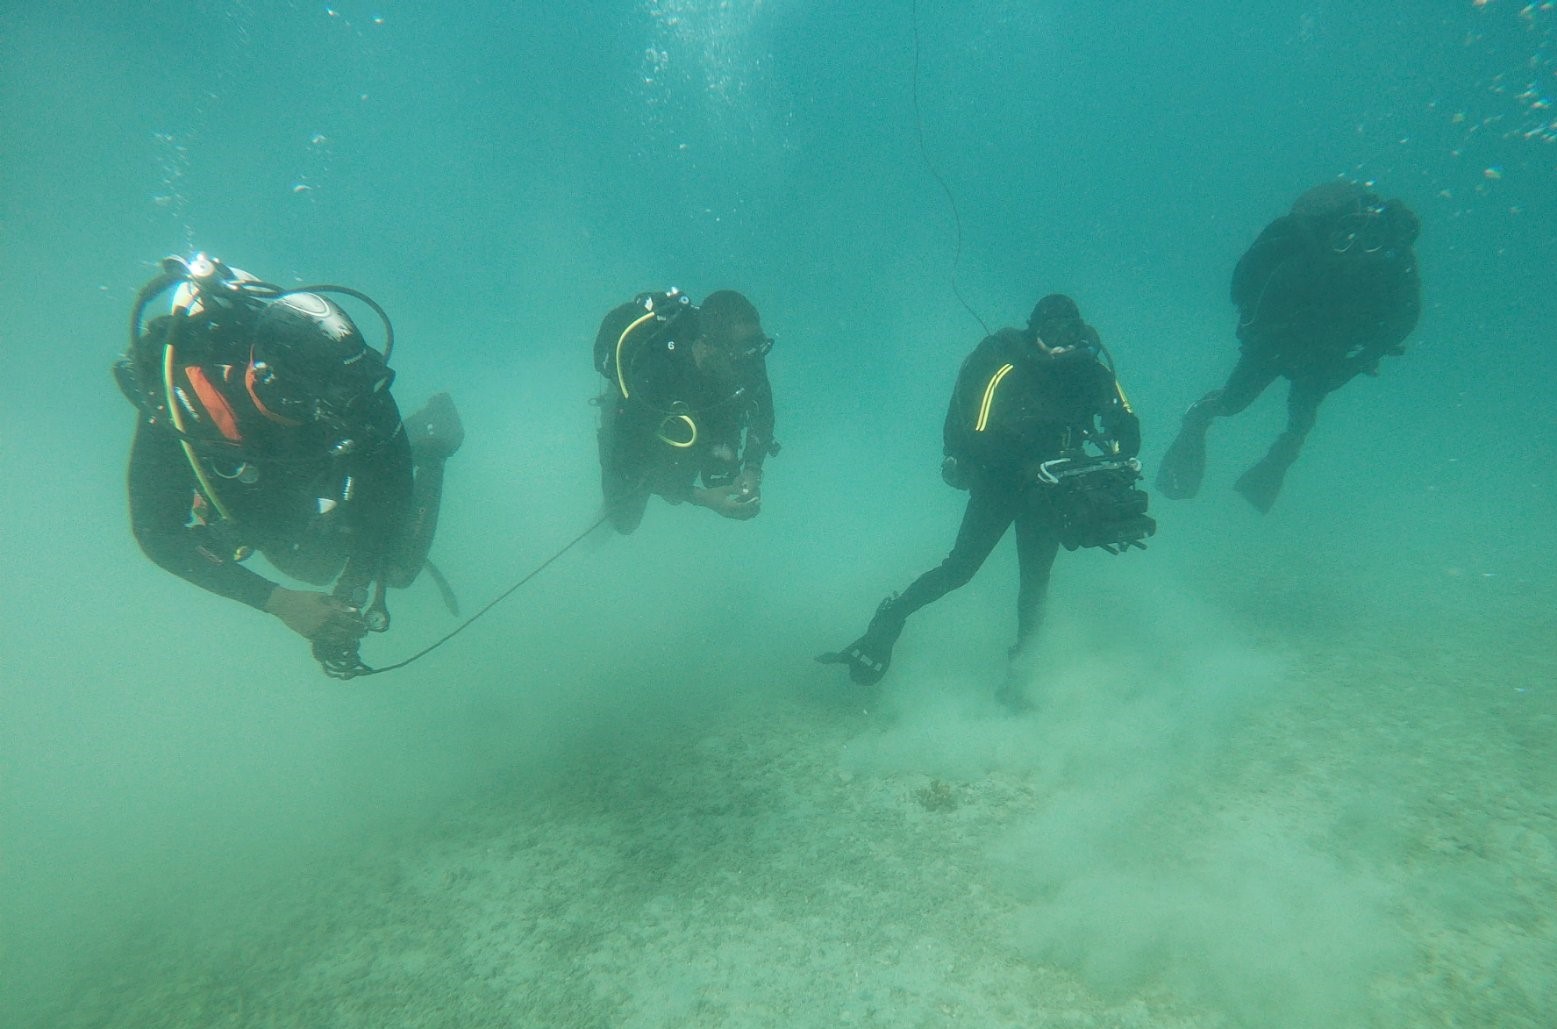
[1362, 232]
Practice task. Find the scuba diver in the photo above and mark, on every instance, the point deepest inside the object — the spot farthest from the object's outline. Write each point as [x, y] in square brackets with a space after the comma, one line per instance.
[685, 383]
[1323, 295]
[266, 423]
[1027, 405]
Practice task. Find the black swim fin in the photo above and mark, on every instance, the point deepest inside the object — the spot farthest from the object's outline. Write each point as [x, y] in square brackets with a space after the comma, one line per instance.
[1184, 465]
[870, 656]
[1261, 484]
[867, 659]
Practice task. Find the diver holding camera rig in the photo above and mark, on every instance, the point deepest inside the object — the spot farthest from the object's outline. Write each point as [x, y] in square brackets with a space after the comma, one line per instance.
[1027, 405]
[266, 423]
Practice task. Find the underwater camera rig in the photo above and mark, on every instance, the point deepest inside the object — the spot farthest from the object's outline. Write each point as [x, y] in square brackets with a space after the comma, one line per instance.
[1097, 503]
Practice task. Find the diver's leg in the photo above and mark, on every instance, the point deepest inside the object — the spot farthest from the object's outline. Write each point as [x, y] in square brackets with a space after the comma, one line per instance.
[624, 485]
[1261, 484]
[435, 433]
[988, 513]
[316, 561]
[416, 539]
[1037, 543]
[1184, 464]
[435, 430]
[1250, 377]
[626, 509]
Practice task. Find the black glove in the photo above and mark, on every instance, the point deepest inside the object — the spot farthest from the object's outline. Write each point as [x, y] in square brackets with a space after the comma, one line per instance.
[954, 474]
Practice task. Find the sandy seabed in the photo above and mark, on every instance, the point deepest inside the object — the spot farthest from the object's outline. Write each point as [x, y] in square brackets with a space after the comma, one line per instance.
[1374, 843]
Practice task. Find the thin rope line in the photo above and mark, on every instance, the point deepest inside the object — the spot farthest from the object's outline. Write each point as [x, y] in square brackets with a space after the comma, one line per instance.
[924, 154]
[575, 541]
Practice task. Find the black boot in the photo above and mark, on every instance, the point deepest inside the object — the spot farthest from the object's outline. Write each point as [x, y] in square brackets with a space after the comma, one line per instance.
[869, 656]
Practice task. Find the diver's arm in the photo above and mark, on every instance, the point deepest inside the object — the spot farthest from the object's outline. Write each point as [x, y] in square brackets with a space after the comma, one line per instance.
[161, 486]
[1397, 314]
[1279, 242]
[1403, 308]
[955, 430]
[1119, 419]
[1274, 287]
[952, 429]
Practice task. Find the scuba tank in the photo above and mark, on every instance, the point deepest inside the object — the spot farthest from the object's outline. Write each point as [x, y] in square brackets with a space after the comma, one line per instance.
[180, 372]
[224, 300]
[224, 303]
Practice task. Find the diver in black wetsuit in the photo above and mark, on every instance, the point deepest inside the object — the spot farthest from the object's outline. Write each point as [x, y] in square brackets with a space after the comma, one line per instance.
[685, 383]
[267, 424]
[1323, 295]
[1025, 404]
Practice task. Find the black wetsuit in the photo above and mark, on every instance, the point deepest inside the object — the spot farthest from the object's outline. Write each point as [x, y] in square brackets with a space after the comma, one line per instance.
[1314, 316]
[999, 427]
[676, 421]
[315, 516]
[1323, 295]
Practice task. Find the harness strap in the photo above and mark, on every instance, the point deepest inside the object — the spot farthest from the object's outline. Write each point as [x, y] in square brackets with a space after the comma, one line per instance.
[665, 433]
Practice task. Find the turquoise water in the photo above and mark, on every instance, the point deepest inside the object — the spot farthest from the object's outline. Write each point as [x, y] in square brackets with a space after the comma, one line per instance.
[1293, 770]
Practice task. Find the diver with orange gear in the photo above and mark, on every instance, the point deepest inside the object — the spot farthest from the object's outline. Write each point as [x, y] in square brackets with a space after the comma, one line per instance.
[267, 425]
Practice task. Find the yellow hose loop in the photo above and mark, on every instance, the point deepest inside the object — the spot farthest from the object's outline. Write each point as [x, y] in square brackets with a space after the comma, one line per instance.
[668, 440]
[621, 377]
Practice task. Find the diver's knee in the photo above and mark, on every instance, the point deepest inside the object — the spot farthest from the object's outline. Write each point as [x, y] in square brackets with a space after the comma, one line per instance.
[956, 574]
[1206, 408]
